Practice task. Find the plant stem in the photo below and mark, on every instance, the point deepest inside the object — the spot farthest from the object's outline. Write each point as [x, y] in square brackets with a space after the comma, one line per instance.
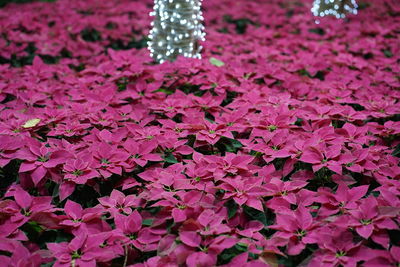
[126, 256]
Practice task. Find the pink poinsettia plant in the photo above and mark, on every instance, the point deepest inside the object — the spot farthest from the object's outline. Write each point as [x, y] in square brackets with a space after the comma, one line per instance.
[279, 148]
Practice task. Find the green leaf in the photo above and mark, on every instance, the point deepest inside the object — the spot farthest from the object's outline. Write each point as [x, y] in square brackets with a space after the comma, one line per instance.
[229, 145]
[35, 226]
[153, 210]
[396, 151]
[388, 53]
[32, 230]
[60, 236]
[31, 123]
[147, 222]
[255, 214]
[166, 91]
[240, 23]
[319, 31]
[169, 158]
[56, 191]
[228, 254]
[91, 35]
[304, 72]
[235, 143]
[232, 208]
[216, 62]
[230, 96]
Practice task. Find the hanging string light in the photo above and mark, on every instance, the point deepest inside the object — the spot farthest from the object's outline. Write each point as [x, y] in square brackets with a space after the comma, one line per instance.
[337, 8]
[176, 29]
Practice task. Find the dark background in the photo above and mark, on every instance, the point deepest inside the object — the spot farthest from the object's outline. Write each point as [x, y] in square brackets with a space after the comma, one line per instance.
[5, 2]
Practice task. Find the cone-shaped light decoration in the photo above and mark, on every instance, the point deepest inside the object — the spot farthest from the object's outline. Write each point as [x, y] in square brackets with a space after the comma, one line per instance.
[337, 8]
[176, 30]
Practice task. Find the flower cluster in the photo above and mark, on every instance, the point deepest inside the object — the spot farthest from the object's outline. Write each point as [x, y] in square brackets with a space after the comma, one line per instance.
[280, 147]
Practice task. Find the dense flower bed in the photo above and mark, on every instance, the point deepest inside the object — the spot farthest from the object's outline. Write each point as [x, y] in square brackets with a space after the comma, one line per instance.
[280, 147]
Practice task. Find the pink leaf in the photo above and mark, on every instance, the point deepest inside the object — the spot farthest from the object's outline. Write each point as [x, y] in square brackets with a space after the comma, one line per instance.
[73, 210]
[200, 259]
[23, 199]
[192, 239]
[66, 189]
[365, 230]
[26, 167]
[38, 174]
[255, 203]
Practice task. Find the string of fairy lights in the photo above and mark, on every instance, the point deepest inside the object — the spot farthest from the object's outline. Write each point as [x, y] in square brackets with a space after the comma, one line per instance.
[176, 30]
[337, 8]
